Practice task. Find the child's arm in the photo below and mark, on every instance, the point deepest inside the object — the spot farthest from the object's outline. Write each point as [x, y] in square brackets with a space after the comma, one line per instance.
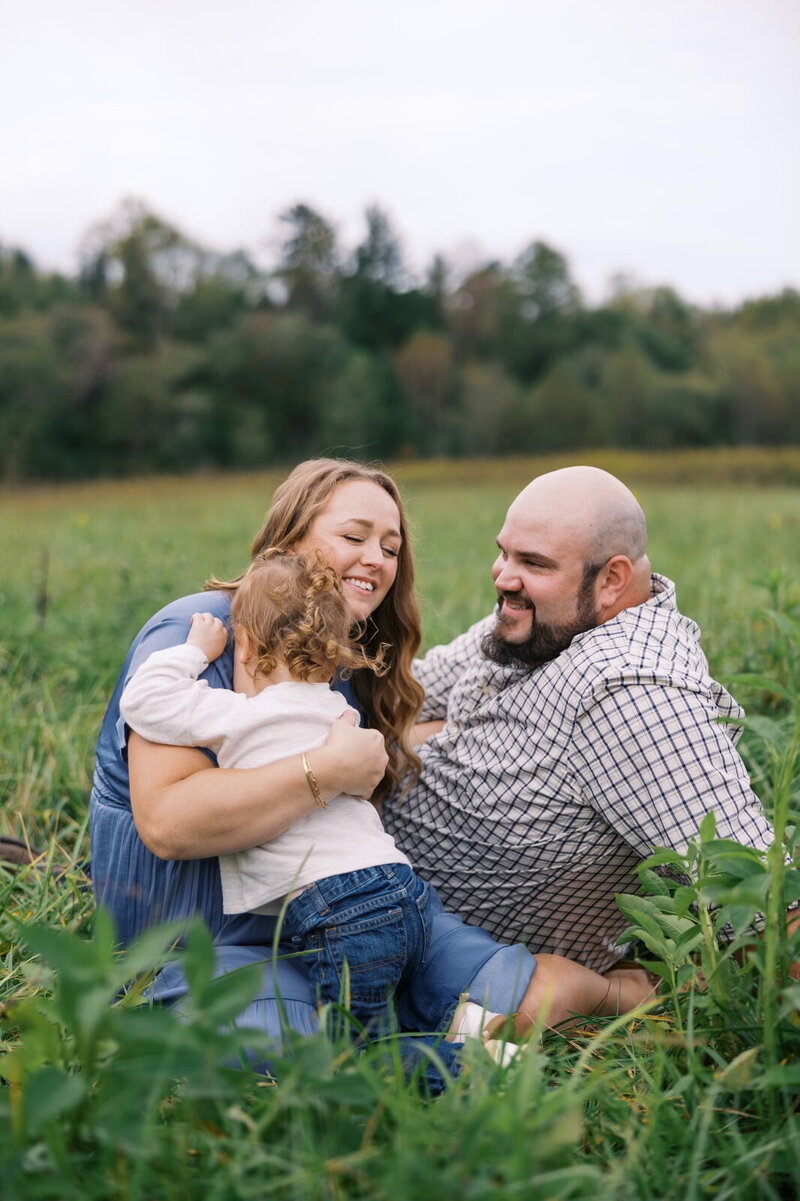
[161, 697]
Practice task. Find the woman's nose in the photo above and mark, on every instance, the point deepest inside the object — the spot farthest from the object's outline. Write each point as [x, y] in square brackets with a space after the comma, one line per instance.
[371, 552]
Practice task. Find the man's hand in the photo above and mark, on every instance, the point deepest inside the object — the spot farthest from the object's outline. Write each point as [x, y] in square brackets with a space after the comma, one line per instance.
[208, 634]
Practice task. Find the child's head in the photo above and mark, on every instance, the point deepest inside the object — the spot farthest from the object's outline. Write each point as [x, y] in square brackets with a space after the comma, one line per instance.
[292, 610]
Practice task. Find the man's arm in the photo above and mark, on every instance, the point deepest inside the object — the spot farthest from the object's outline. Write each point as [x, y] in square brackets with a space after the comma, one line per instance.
[653, 760]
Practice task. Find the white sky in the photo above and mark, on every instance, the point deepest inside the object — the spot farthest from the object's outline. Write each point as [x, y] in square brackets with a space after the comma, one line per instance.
[655, 137]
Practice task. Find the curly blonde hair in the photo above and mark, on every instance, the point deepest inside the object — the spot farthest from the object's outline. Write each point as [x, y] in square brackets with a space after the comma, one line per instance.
[293, 610]
[391, 701]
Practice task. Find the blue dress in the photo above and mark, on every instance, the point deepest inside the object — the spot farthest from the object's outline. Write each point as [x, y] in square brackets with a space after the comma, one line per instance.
[139, 890]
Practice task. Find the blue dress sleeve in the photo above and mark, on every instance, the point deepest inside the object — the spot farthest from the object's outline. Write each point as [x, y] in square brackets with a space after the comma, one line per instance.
[133, 884]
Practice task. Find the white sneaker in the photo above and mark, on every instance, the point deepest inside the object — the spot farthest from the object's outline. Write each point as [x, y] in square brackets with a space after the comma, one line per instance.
[471, 1021]
[503, 1053]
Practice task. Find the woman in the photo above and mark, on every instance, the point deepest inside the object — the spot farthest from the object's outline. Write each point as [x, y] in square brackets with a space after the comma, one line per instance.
[161, 815]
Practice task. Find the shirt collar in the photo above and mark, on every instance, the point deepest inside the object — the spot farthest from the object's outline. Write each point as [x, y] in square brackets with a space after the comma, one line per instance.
[662, 591]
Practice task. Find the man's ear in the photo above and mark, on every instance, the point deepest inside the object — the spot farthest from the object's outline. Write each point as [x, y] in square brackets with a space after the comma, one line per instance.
[612, 586]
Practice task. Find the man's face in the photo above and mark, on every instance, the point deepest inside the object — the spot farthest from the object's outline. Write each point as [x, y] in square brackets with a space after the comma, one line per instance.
[545, 592]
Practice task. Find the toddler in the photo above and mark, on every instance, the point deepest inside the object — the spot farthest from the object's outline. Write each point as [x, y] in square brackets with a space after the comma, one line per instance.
[349, 893]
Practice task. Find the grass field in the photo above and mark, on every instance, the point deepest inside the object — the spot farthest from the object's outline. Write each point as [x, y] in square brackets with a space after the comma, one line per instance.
[696, 1099]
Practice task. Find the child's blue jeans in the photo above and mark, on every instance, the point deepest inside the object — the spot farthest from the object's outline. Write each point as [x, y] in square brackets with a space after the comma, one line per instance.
[376, 921]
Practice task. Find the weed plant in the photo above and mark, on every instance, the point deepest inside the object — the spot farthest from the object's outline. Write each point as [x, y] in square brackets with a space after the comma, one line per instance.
[693, 1097]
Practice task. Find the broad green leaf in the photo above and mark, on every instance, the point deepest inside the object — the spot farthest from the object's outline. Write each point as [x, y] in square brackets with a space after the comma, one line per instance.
[791, 886]
[42, 1042]
[688, 942]
[47, 1094]
[225, 998]
[738, 861]
[676, 927]
[653, 883]
[654, 943]
[740, 917]
[786, 624]
[640, 910]
[662, 904]
[198, 959]
[707, 829]
[765, 683]
[104, 936]
[149, 952]
[72, 957]
[686, 973]
[662, 856]
[770, 732]
[752, 890]
[657, 968]
[685, 898]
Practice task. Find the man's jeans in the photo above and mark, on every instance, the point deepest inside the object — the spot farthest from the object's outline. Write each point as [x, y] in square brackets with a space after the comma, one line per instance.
[376, 921]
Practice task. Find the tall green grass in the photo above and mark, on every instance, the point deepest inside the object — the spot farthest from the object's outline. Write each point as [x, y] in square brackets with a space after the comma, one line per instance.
[695, 1099]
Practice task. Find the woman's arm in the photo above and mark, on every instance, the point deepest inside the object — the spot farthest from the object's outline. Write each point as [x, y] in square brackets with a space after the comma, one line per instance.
[186, 809]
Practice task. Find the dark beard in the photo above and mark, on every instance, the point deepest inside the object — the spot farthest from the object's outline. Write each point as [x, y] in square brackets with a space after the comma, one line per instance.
[545, 641]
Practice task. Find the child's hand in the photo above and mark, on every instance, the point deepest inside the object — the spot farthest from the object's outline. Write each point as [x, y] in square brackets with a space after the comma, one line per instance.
[209, 634]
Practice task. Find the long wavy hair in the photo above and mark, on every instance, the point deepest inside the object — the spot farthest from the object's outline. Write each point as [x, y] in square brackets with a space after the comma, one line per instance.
[391, 701]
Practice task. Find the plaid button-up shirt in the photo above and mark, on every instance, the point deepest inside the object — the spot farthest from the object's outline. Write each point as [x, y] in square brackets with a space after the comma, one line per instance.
[546, 788]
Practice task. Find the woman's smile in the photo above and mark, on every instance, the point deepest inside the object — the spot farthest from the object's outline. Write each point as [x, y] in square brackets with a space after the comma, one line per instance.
[365, 585]
[358, 532]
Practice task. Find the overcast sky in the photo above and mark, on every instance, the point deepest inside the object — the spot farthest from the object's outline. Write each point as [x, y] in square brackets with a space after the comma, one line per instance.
[654, 138]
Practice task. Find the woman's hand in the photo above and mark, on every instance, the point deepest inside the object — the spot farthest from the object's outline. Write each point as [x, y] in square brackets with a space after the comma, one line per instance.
[356, 758]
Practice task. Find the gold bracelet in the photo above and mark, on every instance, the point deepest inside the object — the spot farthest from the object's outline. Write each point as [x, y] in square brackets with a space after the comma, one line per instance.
[313, 785]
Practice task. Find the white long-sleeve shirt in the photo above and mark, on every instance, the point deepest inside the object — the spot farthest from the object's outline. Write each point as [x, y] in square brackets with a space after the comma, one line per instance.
[165, 702]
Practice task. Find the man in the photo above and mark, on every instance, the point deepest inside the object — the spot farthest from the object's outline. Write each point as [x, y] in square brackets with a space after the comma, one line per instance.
[571, 732]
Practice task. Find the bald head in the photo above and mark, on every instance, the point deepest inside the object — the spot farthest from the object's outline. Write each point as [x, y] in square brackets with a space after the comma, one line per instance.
[573, 543]
[590, 509]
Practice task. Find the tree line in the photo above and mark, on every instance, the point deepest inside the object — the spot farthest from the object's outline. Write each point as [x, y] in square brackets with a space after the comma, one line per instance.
[162, 355]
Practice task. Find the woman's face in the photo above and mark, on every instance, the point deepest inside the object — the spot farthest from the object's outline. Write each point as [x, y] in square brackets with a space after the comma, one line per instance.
[358, 533]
